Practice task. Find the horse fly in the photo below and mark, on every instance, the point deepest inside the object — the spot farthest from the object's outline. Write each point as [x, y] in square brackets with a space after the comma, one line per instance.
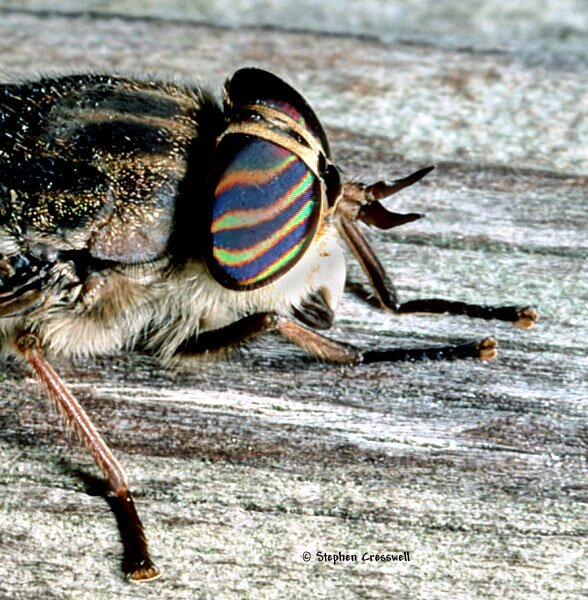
[140, 214]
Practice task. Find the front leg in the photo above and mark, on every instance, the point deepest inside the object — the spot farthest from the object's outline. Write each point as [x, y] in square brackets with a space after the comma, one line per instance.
[322, 347]
[521, 316]
[360, 202]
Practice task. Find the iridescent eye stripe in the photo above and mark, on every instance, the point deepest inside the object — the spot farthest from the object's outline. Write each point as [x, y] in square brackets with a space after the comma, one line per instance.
[275, 266]
[266, 201]
[258, 177]
[237, 258]
[237, 219]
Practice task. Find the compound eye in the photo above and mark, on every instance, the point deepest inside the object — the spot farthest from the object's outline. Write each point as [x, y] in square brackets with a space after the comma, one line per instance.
[265, 209]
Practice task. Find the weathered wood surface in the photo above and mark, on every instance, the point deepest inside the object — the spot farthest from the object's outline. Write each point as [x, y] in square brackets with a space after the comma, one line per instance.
[478, 470]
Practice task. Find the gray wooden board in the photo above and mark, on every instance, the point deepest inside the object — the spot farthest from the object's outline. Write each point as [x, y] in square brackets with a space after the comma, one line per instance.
[238, 467]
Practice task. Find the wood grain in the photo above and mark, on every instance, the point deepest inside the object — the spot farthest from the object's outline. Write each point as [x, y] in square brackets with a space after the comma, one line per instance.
[238, 467]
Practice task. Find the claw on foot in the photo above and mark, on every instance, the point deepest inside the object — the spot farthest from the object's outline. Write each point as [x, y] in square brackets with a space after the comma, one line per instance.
[146, 572]
[527, 317]
[488, 348]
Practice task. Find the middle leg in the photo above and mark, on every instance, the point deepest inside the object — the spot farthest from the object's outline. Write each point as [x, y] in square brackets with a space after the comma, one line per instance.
[322, 347]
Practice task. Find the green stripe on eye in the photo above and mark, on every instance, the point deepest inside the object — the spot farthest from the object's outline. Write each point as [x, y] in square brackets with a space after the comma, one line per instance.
[233, 258]
[240, 218]
[275, 266]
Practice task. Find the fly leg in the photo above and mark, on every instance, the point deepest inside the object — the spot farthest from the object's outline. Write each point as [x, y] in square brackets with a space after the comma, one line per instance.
[324, 348]
[330, 350]
[360, 202]
[138, 565]
[521, 316]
